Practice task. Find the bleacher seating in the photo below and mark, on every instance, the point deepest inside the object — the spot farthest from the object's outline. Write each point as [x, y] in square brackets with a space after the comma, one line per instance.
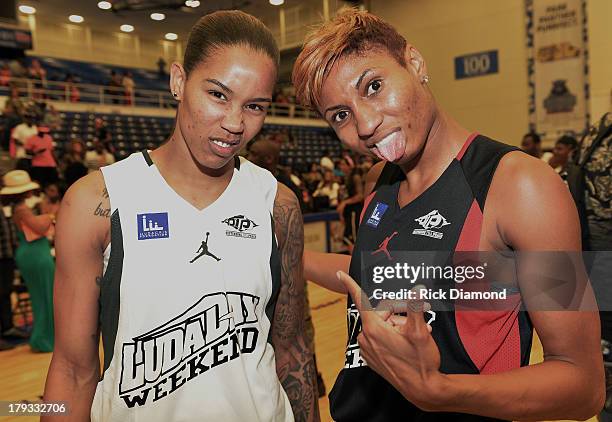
[97, 74]
[134, 133]
[129, 133]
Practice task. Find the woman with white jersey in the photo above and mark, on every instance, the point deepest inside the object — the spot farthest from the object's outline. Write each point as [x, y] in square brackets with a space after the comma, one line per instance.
[188, 260]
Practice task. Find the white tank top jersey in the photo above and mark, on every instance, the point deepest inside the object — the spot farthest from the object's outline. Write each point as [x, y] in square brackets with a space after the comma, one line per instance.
[187, 300]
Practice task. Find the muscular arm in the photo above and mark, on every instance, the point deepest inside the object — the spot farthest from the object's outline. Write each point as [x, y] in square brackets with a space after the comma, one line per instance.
[294, 357]
[534, 212]
[320, 267]
[80, 240]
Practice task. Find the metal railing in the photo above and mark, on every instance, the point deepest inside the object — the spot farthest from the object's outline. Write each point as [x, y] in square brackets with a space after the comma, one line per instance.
[108, 95]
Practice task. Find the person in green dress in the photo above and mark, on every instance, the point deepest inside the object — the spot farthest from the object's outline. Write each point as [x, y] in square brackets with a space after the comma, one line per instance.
[33, 255]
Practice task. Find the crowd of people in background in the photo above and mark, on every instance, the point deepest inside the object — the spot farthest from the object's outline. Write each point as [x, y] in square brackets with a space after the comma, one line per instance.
[120, 87]
[31, 196]
[335, 182]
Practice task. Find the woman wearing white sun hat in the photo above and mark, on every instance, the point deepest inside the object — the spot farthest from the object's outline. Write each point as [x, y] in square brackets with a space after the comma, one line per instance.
[33, 255]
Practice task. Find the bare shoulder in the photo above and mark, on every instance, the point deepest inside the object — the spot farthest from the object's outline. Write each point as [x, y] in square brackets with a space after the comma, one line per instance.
[532, 206]
[287, 214]
[285, 197]
[525, 175]
[85, 208]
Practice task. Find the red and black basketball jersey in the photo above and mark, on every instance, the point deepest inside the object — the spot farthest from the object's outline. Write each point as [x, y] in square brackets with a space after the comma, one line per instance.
[482, 342]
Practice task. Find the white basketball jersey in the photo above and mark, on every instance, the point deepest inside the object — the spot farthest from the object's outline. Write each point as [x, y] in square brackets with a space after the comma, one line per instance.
[187, 300]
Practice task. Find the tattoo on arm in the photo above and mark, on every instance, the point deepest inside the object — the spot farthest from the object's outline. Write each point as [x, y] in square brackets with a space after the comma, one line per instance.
[102, 210]
[294, 354]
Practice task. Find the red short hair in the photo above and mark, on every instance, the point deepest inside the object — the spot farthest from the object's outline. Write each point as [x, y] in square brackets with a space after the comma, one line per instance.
[352, 31]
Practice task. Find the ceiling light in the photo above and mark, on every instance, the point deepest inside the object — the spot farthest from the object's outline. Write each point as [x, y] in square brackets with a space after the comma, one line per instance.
[171, 36]
[127, 28]
[104, 5]
[75, 18]
[158, 16]
[28, 10]
[276, 2]
[192, 3]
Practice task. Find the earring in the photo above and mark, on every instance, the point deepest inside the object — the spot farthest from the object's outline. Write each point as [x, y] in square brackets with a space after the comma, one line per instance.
[424, 79]
[174, 94]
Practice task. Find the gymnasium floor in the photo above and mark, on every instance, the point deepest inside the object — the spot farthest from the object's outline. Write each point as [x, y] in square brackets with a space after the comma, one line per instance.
[23, 373]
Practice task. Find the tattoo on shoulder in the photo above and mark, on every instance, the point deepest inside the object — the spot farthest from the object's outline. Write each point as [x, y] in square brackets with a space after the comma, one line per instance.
[102, 211]
[105, 193]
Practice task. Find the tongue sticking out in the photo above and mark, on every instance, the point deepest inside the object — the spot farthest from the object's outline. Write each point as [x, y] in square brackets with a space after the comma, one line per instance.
[391, 148]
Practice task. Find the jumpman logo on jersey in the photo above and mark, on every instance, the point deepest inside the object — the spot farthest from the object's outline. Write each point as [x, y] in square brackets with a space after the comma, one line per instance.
[204, 251]
[384, 245]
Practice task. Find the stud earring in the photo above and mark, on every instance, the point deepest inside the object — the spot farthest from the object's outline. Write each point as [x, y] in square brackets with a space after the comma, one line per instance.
[174, 94]
[424, 79]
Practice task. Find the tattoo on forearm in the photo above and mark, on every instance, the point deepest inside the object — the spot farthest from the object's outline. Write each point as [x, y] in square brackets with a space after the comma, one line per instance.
[295, 365]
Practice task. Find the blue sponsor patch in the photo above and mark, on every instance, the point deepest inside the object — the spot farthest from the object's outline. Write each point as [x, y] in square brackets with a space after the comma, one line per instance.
[377, 214]
[153, 226]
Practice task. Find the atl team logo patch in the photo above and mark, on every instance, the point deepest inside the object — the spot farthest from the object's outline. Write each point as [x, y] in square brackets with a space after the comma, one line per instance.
[241, 226]
[433, 220]
[153, 225]
[377, 214]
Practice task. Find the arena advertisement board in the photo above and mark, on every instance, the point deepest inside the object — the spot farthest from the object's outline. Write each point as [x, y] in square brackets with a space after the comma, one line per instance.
[558, 79]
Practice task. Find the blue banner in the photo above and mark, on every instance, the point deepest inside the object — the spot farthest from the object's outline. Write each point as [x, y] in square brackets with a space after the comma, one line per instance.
[20, 39]
[477, 64]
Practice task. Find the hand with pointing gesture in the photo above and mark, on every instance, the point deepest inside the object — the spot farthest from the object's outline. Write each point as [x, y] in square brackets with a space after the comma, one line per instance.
[400, 349]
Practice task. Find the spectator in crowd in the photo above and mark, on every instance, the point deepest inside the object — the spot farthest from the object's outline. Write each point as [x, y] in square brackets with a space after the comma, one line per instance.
[51, 199]
[52, 118]
[21, 133]
[73, 166]
[265, 153]
[44, 165]
[326, 161]
[5, 75]
[280, 98]
[313, 177]
[8, 244]
[39, 75]
[128, 87]
[10, 119]
[349, 208]
[19, 72]
[589, 178]
[114, 87]
[98, 157]
[161, 68]
[532, 145]
[18, 68]
[563, 152]
[328, 187]
[102, 134]
[72, 91]
[14, 101]
[33, 256]
[365, 164]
